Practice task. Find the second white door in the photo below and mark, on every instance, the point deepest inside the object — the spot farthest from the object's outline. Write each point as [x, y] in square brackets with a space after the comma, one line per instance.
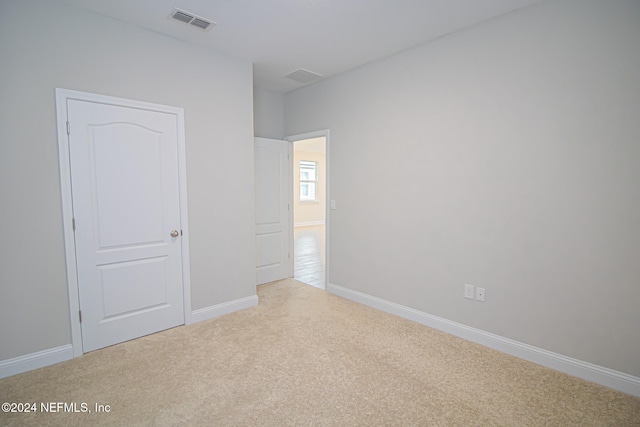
[272, 188]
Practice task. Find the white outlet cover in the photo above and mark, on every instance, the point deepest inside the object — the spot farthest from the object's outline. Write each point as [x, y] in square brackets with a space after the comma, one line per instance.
[480, 294]
[468, 291]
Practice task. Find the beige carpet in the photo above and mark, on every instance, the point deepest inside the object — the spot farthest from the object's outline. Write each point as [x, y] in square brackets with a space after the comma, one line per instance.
[305, 357]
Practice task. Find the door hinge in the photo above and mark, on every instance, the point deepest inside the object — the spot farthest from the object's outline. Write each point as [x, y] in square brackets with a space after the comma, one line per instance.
[68, 128]
[80, 315]
[73, 222]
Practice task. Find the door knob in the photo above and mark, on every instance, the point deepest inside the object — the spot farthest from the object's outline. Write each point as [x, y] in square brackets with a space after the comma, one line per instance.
[175, 233]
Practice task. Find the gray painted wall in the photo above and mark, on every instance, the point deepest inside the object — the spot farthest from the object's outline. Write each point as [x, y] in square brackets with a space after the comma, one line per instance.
[268, 110]
[47, 44]
[505, 156]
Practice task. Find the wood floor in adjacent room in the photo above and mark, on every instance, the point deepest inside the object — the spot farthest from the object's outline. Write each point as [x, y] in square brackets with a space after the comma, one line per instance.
[304, 357]
[309, 255]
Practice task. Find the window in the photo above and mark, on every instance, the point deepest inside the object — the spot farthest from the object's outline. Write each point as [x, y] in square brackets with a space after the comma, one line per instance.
[308, 180]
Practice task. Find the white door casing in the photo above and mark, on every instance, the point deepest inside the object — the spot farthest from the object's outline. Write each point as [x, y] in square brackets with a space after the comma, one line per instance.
[128, 196]
[272, 189]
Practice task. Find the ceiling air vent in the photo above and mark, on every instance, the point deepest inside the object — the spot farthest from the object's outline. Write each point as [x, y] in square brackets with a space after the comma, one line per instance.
[303, 76]
[191, 19]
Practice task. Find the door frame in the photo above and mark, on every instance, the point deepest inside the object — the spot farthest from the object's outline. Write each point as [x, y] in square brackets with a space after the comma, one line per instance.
[327, 222]
[62, 96]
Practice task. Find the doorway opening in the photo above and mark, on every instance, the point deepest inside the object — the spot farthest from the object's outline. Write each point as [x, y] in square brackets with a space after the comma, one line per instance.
[310, 210]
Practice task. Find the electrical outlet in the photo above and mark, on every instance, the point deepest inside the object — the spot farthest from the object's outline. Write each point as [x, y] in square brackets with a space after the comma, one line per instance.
[468, 291]
[480, 294]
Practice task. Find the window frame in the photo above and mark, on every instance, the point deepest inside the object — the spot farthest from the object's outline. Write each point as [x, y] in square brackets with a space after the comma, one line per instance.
[307, 181]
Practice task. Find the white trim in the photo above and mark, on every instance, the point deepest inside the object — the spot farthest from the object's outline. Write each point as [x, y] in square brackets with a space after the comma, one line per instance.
[224, 308]
[62, 97]
[40, 359]
[36, 360]
[327, 175]
[587, 371]
[308, 223]
[184, 217]
[291, 210]
[67, 217]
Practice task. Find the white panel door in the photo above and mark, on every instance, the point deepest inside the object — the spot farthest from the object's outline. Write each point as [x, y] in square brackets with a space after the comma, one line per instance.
[272, 209]
[125, 187]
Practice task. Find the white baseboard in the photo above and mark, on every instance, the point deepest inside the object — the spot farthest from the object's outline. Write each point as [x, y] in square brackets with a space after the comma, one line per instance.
[36, 360]
[587, 371]
[308, 223]
[40, 359]
[222, 309]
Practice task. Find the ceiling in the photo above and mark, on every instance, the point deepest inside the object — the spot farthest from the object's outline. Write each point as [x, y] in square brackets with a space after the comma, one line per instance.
[326, 37]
